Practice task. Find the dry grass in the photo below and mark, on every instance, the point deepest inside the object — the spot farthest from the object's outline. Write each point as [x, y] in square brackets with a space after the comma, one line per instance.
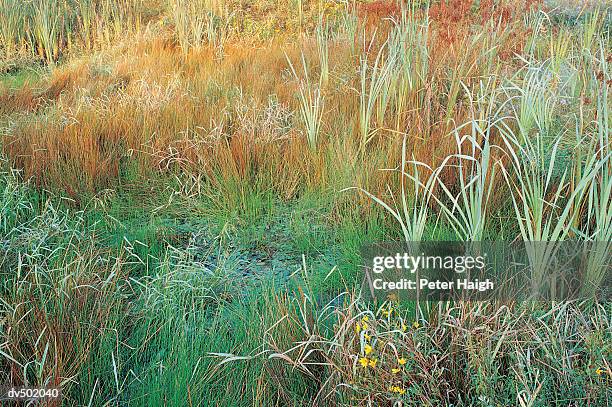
[149, 103]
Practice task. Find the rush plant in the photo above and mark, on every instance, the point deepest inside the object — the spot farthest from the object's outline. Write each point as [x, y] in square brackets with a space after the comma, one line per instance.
[474, 164]
[323, 39]
[311, 105]
[542, 200]
[411, 209]
[47, 31]
[374, 93]
[12, 33]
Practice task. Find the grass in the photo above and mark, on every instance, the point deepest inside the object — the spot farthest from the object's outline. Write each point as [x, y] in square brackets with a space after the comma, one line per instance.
[374, 93]
[311, 104]
[47, 29]
[182, 213]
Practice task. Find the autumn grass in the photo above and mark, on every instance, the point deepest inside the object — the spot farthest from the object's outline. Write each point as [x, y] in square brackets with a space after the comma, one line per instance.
[48, 29]
[141, 177]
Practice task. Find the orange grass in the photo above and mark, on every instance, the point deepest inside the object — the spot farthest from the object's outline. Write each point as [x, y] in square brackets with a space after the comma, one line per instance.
[151, 106]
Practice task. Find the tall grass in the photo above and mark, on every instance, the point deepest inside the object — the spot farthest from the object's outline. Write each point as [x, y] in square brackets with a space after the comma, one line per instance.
[350, 26]
[412, 208]
[197, 23]
[547, 193]
[47, 34]
[12, 34]
[599, 197]
[374, 94]
[323, 39]
[475, 165]
[87, 22]
[408, 41]
[311, 105]
[45, 29]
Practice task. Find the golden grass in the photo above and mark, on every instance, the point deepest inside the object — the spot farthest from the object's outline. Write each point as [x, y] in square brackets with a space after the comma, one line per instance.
[148, 104]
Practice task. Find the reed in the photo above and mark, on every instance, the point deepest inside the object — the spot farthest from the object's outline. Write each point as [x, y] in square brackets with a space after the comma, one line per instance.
[374, 94]
[323, 37]
[411, 209]
[12, 33]
[47, 31]
[199, 23]
[474, 163]
[312, 104]
[543, 203]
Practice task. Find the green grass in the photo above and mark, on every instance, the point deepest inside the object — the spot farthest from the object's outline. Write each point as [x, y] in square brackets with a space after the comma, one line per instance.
[165, 307]
[18, 79]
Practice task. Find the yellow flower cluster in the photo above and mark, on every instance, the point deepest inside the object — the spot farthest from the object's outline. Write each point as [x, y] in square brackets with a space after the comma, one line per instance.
[363, 325]
[401, 362]
[366, 357]
[397, 389]
[365, 362]
[368, 348]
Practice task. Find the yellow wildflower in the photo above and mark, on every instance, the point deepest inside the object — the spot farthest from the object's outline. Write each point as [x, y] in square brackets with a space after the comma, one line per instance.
[396, 370]
[404, 328]
[599, 371]
[367, 337]
[365, 319]
[372, 363]
[357, 327]
[397, 389]
[368, 349]
[402, 361]
[363, 362]
[416, 325]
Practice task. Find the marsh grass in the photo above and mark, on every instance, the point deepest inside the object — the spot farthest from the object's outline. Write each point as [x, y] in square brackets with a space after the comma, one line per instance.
[12, 33]
[323, 36]
[312, 103]
[135, 179]
[46, 29]
[375, 80]
[199, 23]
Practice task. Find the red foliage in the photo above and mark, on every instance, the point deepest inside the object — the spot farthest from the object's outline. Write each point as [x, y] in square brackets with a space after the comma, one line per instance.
[489, 10]
[454, 15]
[373, 13]
[451, 15]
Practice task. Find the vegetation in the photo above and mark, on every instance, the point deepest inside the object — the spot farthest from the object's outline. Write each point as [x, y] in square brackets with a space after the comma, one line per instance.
[185, 188]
